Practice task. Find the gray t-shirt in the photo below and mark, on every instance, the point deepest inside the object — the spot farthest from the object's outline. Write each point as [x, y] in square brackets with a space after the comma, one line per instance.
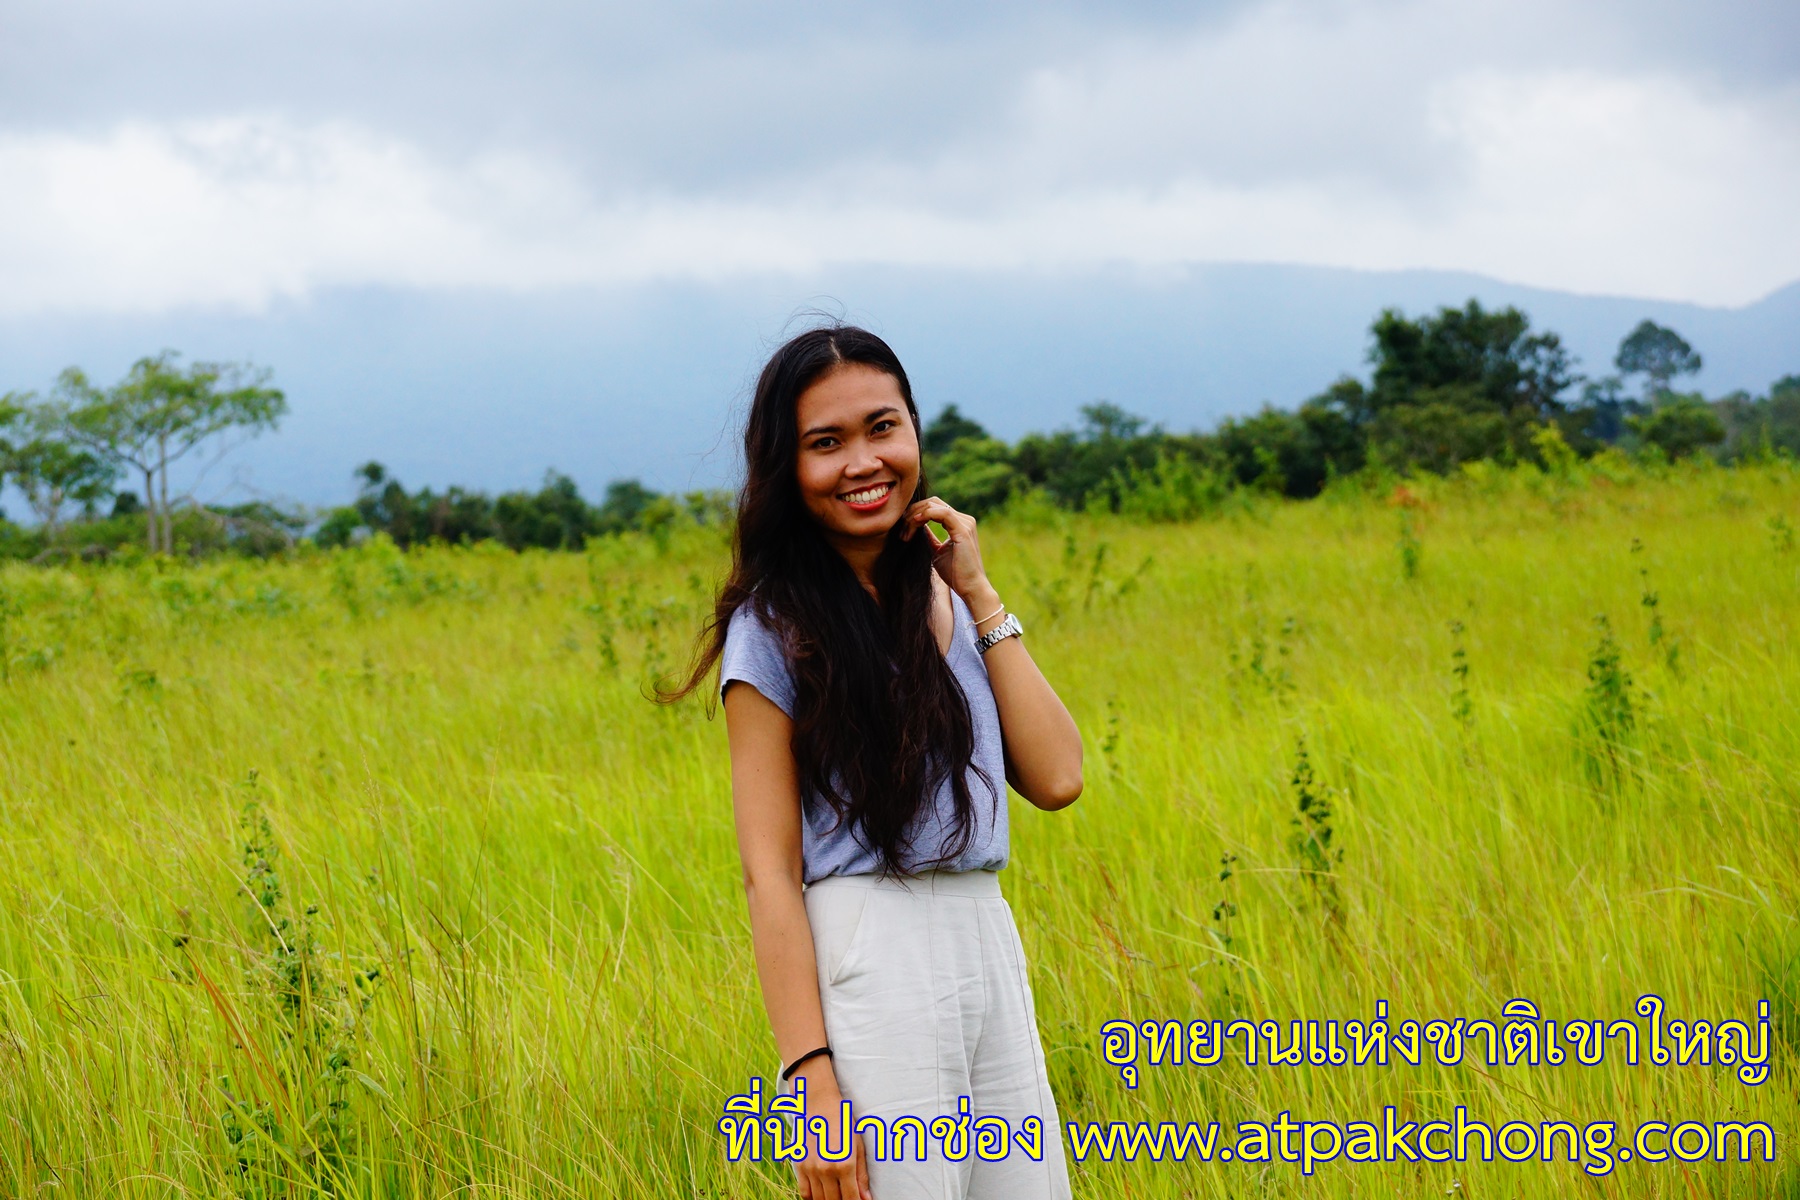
[755, 654]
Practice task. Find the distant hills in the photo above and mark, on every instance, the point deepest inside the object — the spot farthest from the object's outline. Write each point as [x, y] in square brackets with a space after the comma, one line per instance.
[490, 389]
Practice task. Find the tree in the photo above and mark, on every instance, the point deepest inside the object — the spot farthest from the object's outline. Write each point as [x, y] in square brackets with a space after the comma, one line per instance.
[1462, 384]
[626, 501]
[1292, 452]
[1081, 468]
[1104, 421]
[948, 428]
[13, 407]
[1658, 354]
[1680, 425]
[1493, 357]
[975, 475]
[159, 413]
[44, 465]
[52, 474]
[1604, 409]
[556, 518]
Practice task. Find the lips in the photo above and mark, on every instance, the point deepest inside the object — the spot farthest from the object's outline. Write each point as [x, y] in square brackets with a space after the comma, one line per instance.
[867, 499]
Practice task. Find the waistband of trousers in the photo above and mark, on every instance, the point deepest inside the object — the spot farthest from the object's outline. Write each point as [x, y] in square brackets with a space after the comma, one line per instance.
[978, 884]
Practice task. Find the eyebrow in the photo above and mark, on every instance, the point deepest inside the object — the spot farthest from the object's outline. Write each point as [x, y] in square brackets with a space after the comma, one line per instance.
[885, 411]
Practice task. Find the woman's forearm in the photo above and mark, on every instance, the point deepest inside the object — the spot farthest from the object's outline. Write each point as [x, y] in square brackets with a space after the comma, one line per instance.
[785, 967]
[1043, 745]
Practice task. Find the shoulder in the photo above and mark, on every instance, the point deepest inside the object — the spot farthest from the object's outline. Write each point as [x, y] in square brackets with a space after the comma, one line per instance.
[749, 623]
[756, 653]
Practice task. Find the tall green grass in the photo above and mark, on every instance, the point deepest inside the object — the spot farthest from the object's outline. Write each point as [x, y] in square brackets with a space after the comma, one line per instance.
[371, 874]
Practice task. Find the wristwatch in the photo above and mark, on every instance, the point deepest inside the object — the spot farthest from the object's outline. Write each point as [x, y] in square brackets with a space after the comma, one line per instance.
[999, 633]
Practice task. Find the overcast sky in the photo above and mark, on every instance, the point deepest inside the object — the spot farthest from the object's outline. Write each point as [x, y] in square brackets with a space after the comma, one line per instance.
[218, 154]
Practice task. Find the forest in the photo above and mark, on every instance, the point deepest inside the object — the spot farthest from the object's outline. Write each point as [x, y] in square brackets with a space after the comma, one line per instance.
[1445, 391]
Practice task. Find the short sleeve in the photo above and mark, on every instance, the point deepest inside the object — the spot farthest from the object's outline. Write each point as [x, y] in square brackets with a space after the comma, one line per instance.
[754, 654]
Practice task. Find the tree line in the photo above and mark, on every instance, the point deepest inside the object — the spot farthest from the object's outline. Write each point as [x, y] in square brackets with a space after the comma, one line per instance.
[72, 447]
[555, 517]
[1457, 386]
[68, 451]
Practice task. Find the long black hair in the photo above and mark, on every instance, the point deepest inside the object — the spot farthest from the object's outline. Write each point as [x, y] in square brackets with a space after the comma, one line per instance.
[880, 722]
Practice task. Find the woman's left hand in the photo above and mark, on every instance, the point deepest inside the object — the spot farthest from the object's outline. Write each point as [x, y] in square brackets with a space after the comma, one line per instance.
[957, 559]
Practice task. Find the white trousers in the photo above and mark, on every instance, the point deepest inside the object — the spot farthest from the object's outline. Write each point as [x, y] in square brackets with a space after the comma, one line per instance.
[926, 1001]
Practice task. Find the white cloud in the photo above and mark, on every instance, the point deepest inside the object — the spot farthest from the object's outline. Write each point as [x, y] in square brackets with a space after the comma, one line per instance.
[1642, 184]
[240, 211]
[1636, 186]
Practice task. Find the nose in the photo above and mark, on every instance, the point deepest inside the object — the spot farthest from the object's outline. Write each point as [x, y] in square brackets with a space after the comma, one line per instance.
[863, 461]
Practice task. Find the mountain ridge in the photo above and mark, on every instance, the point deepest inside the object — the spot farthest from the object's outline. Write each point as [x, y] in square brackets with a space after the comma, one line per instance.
[489, 390]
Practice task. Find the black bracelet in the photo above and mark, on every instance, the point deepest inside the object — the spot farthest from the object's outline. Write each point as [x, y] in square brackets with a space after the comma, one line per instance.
[788, 1072]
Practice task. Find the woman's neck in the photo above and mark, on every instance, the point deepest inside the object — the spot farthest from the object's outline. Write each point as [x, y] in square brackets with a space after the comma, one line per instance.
[862, 554]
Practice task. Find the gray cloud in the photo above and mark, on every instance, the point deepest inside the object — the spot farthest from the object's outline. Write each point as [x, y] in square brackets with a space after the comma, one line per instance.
[716, 95]
[962, 123]
[617, 73]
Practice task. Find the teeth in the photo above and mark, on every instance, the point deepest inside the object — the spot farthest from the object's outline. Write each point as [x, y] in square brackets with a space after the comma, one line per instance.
[868, 495]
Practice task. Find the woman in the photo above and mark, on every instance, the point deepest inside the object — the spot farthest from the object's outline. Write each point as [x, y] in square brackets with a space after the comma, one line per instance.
[871, 722]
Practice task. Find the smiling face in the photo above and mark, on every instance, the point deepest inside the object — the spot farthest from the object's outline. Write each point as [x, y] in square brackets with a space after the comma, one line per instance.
[858, 462]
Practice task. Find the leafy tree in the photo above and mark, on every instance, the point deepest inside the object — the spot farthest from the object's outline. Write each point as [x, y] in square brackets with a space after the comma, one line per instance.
[1291, 453]
[339, 528]
[1081, 468]
[382, 503]
[556, 518]
[256, 528]
[13, 409]
[52, 474]
[1762, 426]
[1458, 385]
[1177, 487]
[624, 505]
[1658, 354]
[1492, 354]
[36, 455]
[1604, 409]
[710, 506]
[159, 413]
[948, 428]
[976, 475]
[1104, 421]
[1680, 425]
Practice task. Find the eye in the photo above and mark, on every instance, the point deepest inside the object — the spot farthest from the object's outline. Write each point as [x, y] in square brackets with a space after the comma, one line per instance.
[824, 443]
[885, 424]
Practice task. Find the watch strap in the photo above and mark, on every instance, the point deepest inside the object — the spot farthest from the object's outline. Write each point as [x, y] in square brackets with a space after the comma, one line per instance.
[1010, 627]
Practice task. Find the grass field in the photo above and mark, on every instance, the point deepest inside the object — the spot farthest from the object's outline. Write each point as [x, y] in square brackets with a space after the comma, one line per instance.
[371, 874]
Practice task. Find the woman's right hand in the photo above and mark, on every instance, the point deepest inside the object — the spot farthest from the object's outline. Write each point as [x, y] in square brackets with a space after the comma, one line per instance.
[821, 1180]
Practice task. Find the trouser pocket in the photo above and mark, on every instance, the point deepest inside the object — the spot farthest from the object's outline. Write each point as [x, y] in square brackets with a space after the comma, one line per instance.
[837, 916]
